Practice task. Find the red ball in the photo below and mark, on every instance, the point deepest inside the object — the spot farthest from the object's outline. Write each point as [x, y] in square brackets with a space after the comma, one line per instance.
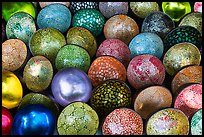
[6, 121]
[123, 121]
[115, 48]
[145, 70]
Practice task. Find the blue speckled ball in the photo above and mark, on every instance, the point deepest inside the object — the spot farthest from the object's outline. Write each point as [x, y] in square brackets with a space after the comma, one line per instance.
[56, 16]
[146, 43]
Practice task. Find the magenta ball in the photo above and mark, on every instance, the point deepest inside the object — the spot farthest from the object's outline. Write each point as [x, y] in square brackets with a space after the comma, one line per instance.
[71, 85]
[115, 48]
[145, 70]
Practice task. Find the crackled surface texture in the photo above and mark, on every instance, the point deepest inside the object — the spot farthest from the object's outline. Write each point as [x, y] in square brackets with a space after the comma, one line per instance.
[196, 123]
[76, 6]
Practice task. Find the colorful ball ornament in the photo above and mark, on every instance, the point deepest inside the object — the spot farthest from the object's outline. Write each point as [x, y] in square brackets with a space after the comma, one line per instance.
[196, 123]
[159, 23]
[109, 9]
[109, 95]
[33, 119]
[116, 28]
[47, 42]
[145, 70]
[176, 10]
[104, 68]
[72, 56]
[83, 38]
[189, 99]
[55, 16]
[12, 91]
[76, 6]
[152, 99]
[21, 26]
[70, 85]
[123, 121]
[197, 7]
[14, 54]
[190, 74]
[142, 9]
[90, 19]
[115, 48]
[146, 43]
[179, 56]
[9, 8]
[169, 121]
[7, 120]
[78, 118]
[43, 4]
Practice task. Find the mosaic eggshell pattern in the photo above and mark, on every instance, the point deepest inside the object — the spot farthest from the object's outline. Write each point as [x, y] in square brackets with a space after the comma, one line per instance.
[104, 68]
[123, 121]
[47, 42]
[121, 27]
[109, 9]
[142, 9]
[20, 26]
[38, 73]
[14, 53]
[55, 16]
[197, 7]
[189, 99]
[43, 4]
[76, 6]
[179, 56]
[77, 119]
[145, 70]
[110, 95]
[191, 74]
[196, 123]
[168, 121]
[72, 56]
[90, 19]
[83, 38]
[152, 99]
[115, 48]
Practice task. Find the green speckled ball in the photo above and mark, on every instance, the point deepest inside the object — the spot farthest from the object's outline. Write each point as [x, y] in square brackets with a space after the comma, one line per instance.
[83, 38]
[109, 95]
[196, 123]
[21, 25]
[72, 56]
[47, 42]
[38, 73]
[90, 19]
[77, 119]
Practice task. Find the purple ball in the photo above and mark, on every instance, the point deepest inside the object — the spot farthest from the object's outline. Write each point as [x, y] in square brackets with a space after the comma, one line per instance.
[71, 85]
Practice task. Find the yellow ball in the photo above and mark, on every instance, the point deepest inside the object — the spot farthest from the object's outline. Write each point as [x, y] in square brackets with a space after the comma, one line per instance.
[12, 91]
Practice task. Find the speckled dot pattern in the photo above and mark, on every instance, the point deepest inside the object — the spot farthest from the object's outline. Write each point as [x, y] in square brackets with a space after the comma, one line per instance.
[168, 121]
[110, 95]
[38, 73]
[14, 54]
[145, 70]
[121, 27]
[43, 4]
[152, 99]
[197, 7]
[196, 123]
[21, 26]
[123, 121]
[189, 99]
[142, 9]
[90, 19]
[104, 68]
[82, 37]
[77, 119]
[190, 74]
[72, 56]
[76, 6]
[55, 16]
[109, 9]
[159, 23]
[115, 48]
[179, 56]
[47, 42]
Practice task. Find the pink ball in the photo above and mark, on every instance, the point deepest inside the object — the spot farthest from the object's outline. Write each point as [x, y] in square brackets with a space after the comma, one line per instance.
[145, 70]
[115, 48]
[198, 7]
